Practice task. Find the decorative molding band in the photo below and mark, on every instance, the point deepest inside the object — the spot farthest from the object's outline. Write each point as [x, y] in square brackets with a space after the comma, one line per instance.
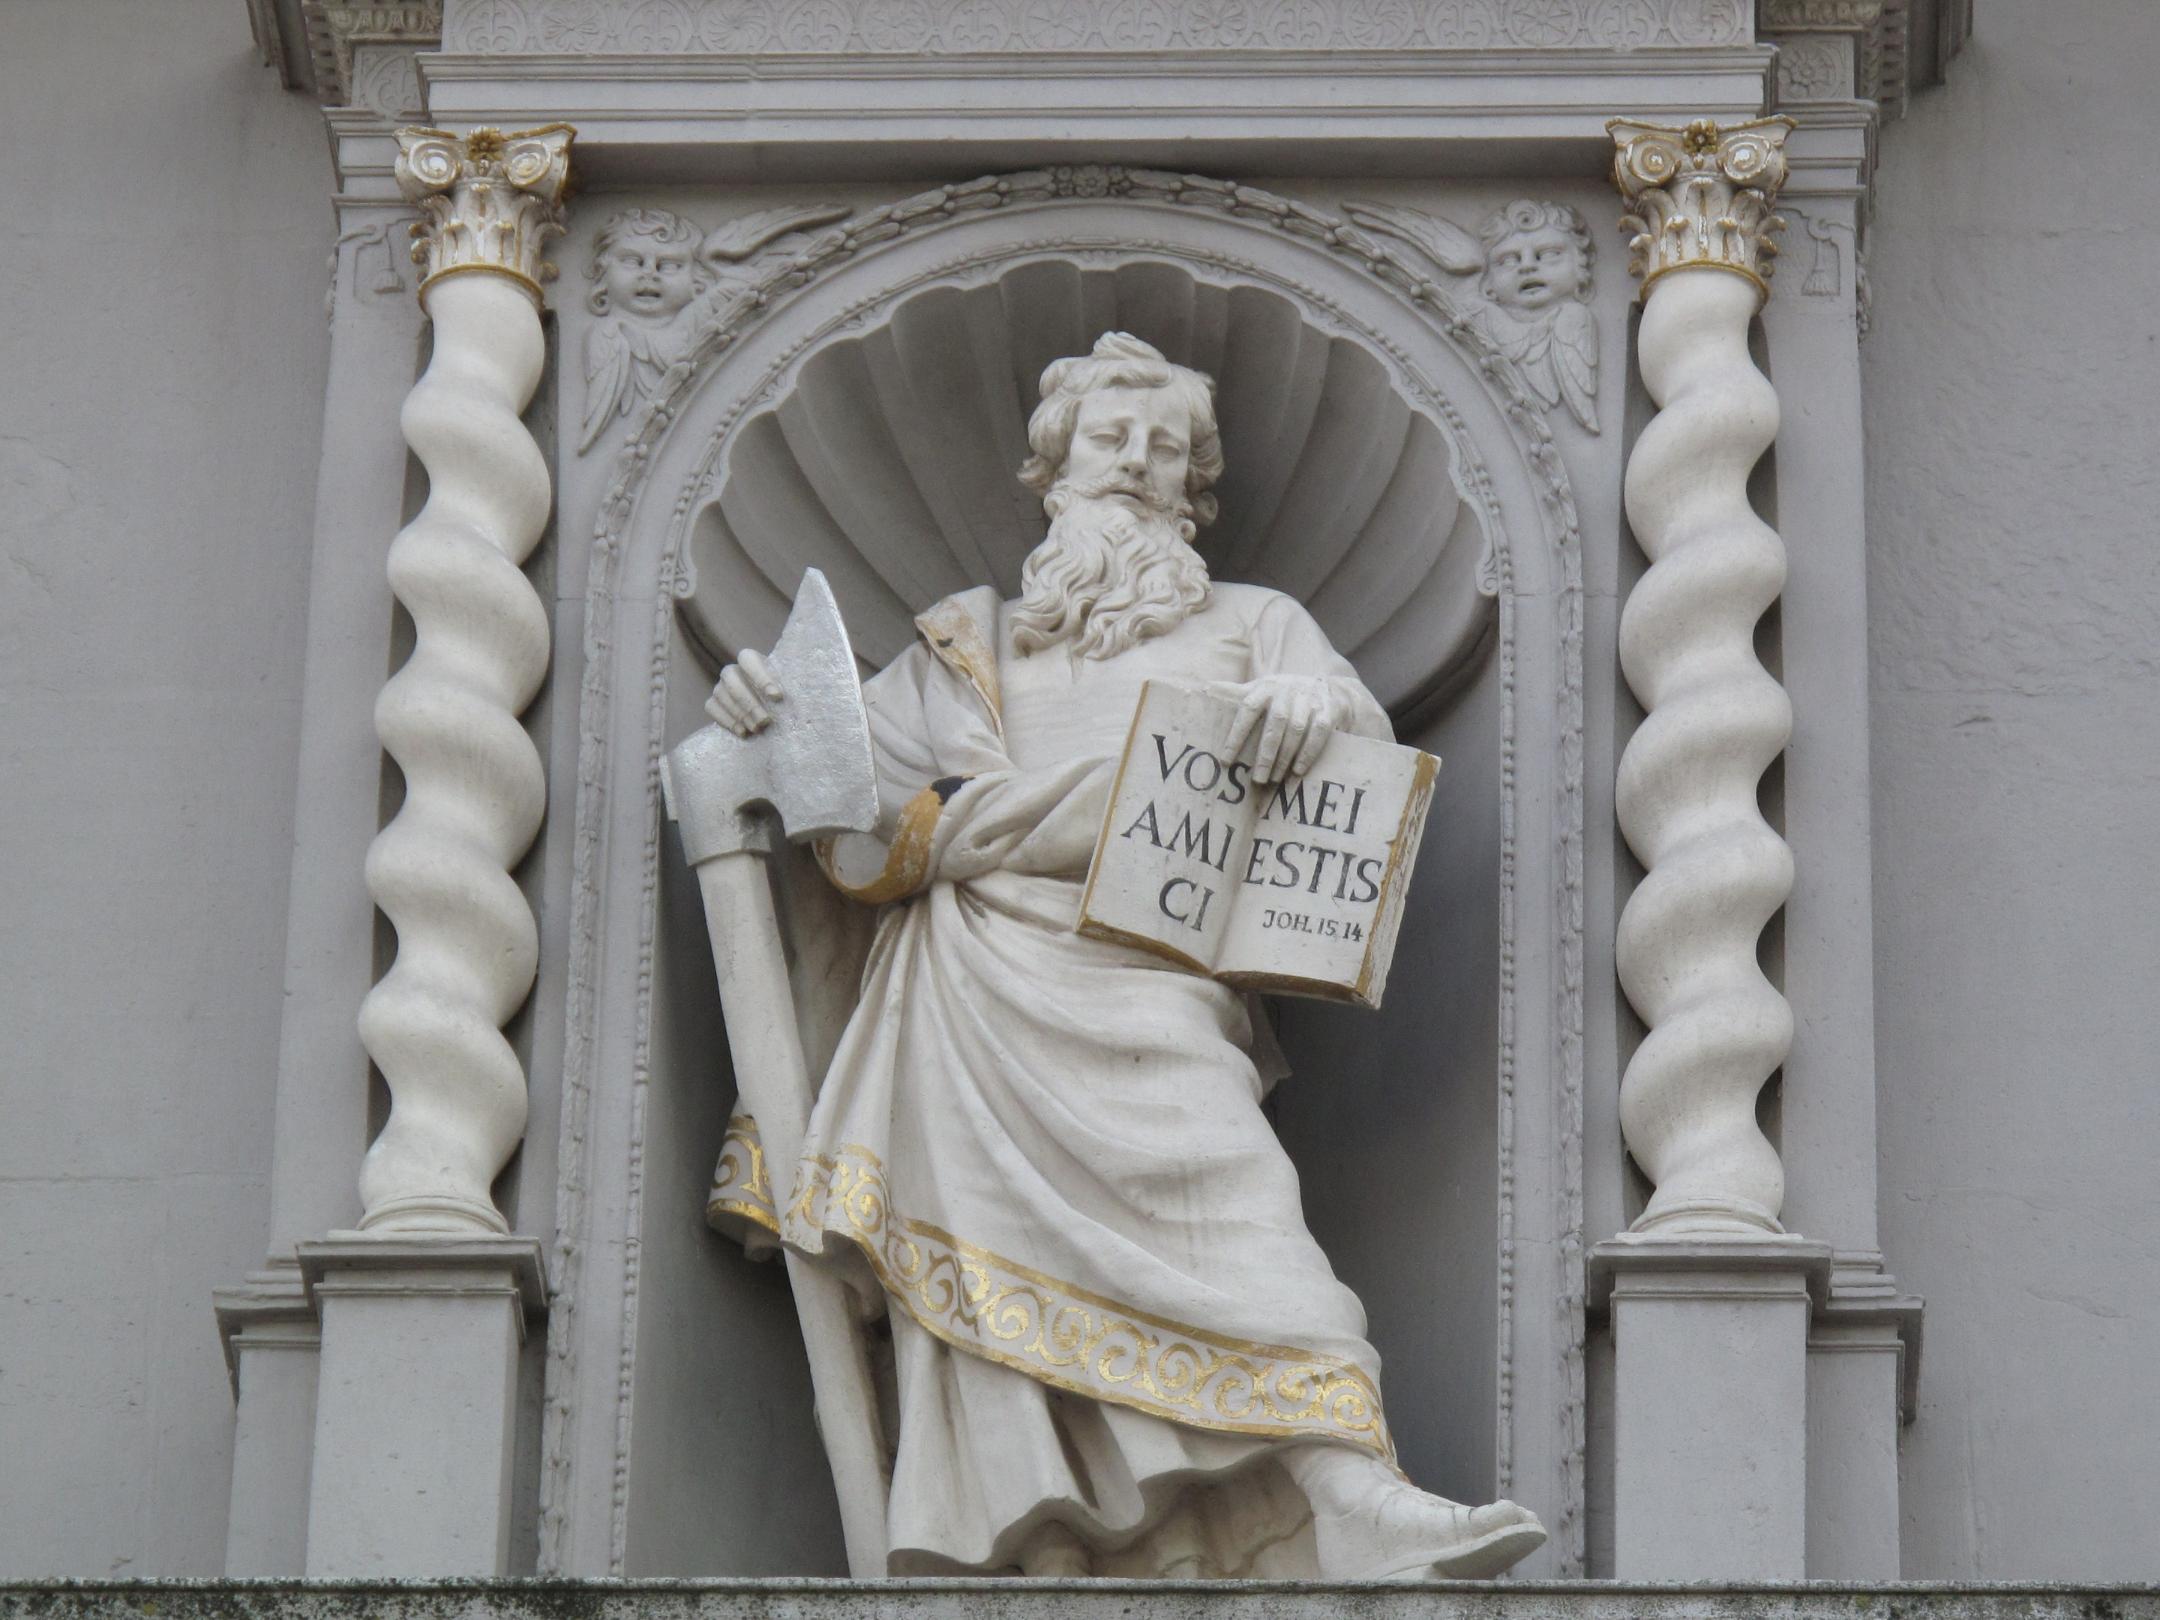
[978, 27]
[1700, 197]
[337, 28]
[1715, 718]
[475, 789]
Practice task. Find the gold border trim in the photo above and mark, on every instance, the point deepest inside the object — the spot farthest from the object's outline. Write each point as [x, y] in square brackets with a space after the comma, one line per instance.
[533, 289]
[907, 858]
[985, 1304]
[1762, 287]
[740, 1185]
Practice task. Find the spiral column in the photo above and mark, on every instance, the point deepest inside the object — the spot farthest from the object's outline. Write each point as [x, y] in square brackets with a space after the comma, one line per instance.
[425, 1308]
[467, 944]
[1708, 1297]
[1715, 871]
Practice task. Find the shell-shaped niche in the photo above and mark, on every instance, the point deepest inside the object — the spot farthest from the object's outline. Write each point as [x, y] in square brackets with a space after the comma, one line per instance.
[890, 464]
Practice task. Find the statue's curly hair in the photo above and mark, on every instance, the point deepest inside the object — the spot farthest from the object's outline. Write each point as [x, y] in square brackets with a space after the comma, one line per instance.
[663, 226]
[1523, 216]
[1120, 360]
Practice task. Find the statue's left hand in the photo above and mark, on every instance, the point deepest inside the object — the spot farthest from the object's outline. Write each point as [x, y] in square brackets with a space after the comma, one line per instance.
[1289, 719]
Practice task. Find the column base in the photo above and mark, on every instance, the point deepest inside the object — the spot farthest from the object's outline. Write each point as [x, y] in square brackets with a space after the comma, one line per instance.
[272, 1347]
[415, 1416]
[1710, 1404]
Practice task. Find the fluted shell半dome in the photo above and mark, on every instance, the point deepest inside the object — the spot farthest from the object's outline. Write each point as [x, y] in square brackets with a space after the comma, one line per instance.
[891, 463]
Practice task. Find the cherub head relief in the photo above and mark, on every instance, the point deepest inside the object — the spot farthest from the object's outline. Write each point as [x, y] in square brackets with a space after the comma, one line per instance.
[646, 263]
[1536, 255]
[1533, 264]
[657, 278]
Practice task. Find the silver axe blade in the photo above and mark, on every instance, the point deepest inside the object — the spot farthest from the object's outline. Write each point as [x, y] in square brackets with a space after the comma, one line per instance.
[810, 771]
[809, 774]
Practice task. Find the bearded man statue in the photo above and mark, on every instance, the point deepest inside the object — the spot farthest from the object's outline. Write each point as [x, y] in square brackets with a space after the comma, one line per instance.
[1116, 1348]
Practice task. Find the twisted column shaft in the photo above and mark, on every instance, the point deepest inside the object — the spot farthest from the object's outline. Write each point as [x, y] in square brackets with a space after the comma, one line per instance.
[1686, 798]
[475, 792]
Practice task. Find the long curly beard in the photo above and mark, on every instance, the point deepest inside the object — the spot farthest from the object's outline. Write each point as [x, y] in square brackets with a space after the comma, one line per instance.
[1107, 577]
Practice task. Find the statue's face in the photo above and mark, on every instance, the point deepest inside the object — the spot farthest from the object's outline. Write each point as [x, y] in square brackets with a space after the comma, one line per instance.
[1138, 441]
[1535, 269]
[648, 277]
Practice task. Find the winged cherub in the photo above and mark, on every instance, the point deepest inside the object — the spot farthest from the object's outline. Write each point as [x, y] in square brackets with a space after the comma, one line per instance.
[656, 281]
[1532, 260]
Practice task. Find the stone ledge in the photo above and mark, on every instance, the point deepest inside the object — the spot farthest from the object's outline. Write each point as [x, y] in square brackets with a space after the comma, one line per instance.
[1055, 1600]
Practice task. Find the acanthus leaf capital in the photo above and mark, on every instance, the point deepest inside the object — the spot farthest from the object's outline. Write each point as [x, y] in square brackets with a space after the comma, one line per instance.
[488, 200]
[1700, 195]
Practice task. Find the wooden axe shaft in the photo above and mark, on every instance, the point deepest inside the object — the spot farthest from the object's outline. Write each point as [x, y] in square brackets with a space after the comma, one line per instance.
[773, 1083]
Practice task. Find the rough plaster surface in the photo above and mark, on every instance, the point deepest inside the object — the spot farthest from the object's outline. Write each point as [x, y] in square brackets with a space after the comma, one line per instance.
[2012, 384]
[1059, 1600]
[161, 319]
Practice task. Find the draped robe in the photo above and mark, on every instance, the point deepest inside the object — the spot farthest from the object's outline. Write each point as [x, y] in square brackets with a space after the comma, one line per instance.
[1048, 1151]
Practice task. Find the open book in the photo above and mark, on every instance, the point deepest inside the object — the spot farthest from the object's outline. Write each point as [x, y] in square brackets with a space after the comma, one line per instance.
[1295, 887]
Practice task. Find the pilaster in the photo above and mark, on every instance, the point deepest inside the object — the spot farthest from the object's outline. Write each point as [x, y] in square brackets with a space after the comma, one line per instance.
[320, 1118]
[271, 1340]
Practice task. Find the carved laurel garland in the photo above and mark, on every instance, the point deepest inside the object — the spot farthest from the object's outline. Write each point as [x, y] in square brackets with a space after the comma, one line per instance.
[973, 27]
[937, 208]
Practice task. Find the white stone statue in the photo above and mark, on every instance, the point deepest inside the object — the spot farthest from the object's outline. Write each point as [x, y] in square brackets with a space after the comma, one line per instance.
[1116, 1349]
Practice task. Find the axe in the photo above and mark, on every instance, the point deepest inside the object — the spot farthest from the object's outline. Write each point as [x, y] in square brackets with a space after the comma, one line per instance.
[735, 799]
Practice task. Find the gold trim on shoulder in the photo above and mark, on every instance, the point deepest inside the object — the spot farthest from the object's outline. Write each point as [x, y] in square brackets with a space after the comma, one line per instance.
[1067, 1337]
[958, 638]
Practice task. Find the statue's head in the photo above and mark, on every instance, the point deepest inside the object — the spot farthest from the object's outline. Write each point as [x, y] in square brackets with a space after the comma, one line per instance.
[1537, 255]
[1125, 449]
[1126, 419]
[645, 262]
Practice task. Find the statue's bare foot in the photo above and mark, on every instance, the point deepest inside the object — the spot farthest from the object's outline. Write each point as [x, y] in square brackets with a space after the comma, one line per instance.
[1371, 1525]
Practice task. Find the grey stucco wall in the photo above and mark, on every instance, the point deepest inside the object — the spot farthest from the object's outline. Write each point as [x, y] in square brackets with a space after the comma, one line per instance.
[162, 341]
[2013, 392]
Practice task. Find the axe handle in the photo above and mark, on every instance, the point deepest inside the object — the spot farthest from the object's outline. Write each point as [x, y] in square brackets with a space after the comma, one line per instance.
[773, 1083]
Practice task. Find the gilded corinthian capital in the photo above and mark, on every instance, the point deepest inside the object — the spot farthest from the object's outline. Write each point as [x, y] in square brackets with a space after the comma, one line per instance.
[488, 201]
[1700, 196]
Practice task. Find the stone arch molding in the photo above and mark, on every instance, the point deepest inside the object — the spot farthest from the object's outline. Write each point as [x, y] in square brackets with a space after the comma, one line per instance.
[1362, 302]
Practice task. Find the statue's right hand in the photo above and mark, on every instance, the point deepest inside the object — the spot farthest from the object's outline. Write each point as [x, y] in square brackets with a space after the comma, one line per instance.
[739, 697]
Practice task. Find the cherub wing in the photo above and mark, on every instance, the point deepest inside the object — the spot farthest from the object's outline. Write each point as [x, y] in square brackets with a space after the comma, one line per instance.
[608, 366]
[1451, 247]
[739, 238]
[1575, 361]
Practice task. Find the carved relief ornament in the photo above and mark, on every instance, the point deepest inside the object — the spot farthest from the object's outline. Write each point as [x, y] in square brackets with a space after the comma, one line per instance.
[488, 201]
[1700, 197]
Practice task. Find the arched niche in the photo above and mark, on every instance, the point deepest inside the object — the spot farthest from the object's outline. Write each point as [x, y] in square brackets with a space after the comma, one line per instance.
[866, 416]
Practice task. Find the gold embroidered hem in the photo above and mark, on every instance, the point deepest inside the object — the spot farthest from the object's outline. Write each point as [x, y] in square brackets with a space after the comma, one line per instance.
[740, 1202]
[1072, 1339]
[907, 857]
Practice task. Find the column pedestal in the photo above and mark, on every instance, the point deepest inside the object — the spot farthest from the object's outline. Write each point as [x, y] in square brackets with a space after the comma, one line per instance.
[1710, 1403]
[415, 1409]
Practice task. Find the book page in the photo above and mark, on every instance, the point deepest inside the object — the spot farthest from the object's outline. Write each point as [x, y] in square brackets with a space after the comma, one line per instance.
[1174, 837]
[1323, 874]
[1294, 887]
